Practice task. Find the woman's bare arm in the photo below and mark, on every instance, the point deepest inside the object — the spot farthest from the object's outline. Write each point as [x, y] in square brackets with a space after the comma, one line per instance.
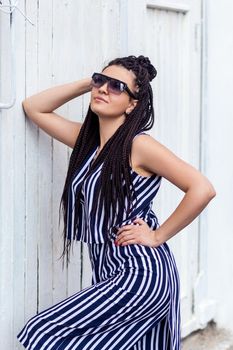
[152, 156]
[158, 159]
[39, 108]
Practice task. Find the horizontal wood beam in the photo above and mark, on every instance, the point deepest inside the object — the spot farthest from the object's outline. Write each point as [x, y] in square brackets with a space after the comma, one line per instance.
[168, 5]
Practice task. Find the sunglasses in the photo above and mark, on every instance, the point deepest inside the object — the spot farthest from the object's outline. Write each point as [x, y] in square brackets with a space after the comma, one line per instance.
[114, 86]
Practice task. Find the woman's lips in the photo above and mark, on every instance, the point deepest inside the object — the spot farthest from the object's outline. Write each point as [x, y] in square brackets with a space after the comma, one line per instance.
[100, 99]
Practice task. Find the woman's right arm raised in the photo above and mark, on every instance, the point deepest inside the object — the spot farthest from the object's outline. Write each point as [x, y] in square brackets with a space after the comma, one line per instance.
[39, 108]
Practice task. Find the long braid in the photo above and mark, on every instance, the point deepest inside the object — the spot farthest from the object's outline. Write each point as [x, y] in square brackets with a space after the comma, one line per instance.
[115, 154]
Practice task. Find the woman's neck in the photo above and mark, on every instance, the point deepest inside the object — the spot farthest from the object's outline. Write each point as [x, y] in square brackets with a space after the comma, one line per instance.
[108, 127]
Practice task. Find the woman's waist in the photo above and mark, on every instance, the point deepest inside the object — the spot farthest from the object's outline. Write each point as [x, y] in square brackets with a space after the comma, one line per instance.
[132, 258]
[150, 218]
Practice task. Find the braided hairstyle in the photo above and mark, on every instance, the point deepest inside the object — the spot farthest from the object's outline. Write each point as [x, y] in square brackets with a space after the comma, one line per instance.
[115, 154]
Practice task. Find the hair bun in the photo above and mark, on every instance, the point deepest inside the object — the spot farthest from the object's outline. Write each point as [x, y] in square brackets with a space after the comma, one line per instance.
[145, 62]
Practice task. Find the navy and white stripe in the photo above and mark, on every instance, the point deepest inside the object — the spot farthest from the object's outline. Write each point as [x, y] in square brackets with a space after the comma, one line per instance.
[90, 228]
[133, 302]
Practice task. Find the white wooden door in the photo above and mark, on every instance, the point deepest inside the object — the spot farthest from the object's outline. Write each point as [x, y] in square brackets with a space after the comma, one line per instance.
[169, 33]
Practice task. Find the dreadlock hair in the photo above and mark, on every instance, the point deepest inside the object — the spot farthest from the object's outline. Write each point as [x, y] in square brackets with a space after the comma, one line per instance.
[115, 154]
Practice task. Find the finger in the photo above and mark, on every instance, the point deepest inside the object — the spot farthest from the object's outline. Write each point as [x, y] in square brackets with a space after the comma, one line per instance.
[125, 238]
[124, 228]
[139, 221]
[131, 241]
[123, 232]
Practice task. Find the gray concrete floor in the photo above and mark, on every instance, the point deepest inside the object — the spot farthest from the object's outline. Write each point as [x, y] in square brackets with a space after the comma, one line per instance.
[210, 338]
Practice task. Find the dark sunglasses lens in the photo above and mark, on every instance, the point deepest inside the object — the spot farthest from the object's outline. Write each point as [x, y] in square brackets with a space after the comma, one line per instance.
[97, 80]
[116, 87]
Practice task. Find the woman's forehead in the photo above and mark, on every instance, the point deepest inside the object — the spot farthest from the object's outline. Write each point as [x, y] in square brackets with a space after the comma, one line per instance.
[120, 73]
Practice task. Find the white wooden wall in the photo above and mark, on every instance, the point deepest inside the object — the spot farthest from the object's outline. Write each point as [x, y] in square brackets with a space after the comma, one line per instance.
[69, 40]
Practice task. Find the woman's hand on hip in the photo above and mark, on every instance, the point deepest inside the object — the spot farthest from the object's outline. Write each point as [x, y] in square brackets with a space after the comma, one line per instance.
[139, 233]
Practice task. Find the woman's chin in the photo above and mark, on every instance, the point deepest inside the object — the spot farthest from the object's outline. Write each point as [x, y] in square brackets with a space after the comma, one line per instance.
[99, 112]
[102, 113]
[96, 109]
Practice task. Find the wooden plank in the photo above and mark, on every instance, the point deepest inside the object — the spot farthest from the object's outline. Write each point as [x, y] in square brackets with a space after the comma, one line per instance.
[31, 171]
[19, 184]
[59, 150]
[6, 195]
[123, 27]
[45, 161]
[110, 17]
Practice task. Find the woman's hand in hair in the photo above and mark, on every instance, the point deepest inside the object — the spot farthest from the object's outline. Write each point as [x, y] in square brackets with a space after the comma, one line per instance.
[139, 233]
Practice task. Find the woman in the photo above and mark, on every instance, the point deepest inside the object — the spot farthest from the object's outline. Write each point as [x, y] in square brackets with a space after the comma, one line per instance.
[114, 173]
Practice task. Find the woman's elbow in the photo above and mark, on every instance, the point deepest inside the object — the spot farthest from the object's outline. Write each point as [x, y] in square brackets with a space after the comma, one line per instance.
[204, 188]
[209, 190]
[24, 105]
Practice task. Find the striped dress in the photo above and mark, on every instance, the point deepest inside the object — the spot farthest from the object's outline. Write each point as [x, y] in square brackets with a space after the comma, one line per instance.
[133, 301]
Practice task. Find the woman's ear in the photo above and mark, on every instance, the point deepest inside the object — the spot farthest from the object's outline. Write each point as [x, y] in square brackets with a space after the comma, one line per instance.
[132, 105]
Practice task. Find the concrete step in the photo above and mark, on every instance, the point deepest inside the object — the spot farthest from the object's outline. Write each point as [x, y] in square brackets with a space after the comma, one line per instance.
[210, 338]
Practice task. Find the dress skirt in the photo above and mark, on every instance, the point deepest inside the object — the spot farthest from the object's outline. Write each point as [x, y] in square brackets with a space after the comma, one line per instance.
[132, 304]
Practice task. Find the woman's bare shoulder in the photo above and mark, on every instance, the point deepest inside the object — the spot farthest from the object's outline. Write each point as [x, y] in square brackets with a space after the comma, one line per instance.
[155, 157]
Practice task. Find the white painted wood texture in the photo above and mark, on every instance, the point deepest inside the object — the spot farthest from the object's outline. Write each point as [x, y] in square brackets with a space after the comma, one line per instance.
[69, 41]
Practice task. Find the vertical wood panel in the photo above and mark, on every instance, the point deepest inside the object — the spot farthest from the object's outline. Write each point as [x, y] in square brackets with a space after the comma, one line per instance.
[61, 61]
[18, 247]
[45, 159]
[31, 172]
[6, 200]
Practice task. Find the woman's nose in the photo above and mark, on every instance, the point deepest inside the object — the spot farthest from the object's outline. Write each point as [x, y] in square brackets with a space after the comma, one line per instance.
[104, 88]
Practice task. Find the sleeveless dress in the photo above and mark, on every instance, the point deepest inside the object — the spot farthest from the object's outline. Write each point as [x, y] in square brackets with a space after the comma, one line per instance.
[133, 302]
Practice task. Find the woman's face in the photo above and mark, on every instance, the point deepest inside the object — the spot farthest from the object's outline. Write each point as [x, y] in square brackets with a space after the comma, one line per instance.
[114, 105]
